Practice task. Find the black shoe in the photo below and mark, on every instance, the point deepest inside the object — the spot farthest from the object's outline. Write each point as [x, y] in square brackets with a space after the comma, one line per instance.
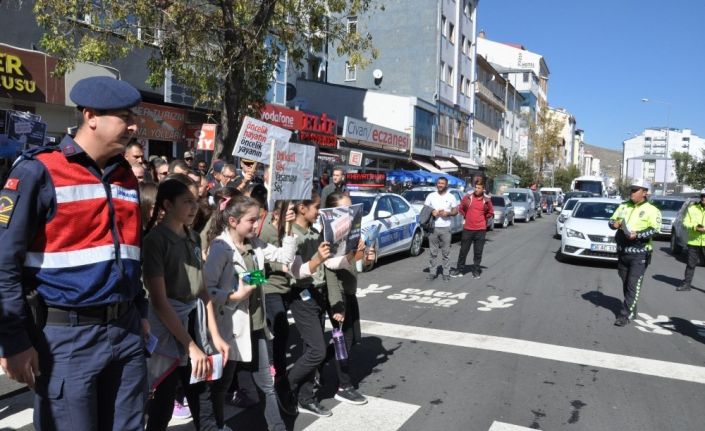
[456, 273]
[446, 278]
[243, 402]
[431, 277]
[683, 288]
[621, 321]
[476, 274]
[287, 403]
[314, 408]
[351, 396]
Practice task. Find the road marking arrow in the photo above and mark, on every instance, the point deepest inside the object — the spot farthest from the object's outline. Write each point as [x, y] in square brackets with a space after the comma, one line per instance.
[494, 302]
[655, 325]
[372, 288]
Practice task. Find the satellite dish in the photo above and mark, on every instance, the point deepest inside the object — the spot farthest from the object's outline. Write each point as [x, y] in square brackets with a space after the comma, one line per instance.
[377, 74]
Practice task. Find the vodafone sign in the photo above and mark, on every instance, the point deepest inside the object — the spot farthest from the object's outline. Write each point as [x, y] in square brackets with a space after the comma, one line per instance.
[376, 136]
[320, 130]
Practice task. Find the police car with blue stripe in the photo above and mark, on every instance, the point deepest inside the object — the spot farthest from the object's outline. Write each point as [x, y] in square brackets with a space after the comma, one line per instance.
[395, 220]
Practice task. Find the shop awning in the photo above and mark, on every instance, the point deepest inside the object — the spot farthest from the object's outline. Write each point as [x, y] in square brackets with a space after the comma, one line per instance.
[466, 162]
[426, 166]
[446, 165]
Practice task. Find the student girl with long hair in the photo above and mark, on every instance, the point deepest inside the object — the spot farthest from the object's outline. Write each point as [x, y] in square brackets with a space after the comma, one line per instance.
[346, 314]
[181, 313]
[234, 252]
[307, 302]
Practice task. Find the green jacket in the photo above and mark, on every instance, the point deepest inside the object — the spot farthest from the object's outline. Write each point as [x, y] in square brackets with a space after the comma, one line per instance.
[693, 217]
[643, 219]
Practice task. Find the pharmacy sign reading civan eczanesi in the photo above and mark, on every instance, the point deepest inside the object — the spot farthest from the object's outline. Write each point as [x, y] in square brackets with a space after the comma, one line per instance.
[372, 135]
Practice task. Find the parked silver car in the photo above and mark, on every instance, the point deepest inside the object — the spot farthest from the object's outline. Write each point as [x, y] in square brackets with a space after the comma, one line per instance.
[669, 207]
[503, 211]
[523, 201]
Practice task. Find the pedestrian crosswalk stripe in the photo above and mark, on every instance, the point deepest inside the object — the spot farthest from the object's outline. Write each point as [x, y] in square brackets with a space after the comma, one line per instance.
[501, 426]
[652, 367]
[17, 420]
[377, 414]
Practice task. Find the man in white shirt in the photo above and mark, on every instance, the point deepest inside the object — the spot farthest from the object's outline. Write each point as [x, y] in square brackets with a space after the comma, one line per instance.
[445, 206]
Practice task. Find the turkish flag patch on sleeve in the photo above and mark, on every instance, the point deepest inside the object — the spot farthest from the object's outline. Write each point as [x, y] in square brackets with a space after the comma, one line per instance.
[12, 184]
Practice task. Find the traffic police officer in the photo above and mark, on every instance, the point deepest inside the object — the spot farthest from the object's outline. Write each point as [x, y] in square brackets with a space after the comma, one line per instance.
[694, 222]
[637, 221]
[70, 264]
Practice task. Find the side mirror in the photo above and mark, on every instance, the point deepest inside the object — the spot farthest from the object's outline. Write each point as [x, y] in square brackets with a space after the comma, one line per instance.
[382, 214]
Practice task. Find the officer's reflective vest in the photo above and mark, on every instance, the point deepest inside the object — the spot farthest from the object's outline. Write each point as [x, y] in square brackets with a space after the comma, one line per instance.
[695, 216]
[88, 253]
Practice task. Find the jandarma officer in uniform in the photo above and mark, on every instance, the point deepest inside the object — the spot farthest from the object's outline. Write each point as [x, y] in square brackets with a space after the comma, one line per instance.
[70, 235]
[637, 221]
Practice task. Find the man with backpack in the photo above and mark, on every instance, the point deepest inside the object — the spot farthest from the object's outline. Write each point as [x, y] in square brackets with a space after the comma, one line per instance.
[445, 206]
[476, 208]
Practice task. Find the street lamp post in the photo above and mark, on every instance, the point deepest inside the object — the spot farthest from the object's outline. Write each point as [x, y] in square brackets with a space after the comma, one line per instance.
[668, 155]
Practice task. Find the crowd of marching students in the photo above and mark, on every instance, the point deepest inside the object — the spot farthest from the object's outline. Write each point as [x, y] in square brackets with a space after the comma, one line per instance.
[202, 303]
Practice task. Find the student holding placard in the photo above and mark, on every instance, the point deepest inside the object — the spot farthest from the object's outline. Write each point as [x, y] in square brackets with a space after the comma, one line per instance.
[345, 282]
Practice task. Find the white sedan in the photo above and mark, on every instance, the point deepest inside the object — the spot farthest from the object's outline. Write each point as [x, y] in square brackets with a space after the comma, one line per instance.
[586, 234]
[398, 223]
[564, 215]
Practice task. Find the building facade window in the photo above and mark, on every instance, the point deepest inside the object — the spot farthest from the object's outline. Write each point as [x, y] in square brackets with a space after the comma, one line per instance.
[352, 24]
[350, 72]
[443, 71]
[451, 32]
[525, 77]
[450, 76]
[444, 26]
[463, 44]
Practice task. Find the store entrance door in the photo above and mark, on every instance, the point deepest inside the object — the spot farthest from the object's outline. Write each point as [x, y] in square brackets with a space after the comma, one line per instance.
[161, 148]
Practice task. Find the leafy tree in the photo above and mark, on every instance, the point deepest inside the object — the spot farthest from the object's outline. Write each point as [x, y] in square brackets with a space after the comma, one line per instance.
[696, 176]
[225, 51]
[521, 167]
[545, 134]
[684, 164]
[623, 185]
[563, 177]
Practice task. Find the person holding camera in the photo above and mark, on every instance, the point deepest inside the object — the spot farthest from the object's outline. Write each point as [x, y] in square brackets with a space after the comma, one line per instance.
[693, 221]
[445, 206]
[636, 222]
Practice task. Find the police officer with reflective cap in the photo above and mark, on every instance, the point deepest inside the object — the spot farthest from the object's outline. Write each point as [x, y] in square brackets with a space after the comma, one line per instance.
[636, 221]
[73, 314]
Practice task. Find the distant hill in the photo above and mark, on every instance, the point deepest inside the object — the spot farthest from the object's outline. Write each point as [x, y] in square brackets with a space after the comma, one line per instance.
[609, 159]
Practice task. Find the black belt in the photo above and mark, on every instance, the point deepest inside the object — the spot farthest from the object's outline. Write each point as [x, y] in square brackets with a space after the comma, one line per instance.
[98, 315]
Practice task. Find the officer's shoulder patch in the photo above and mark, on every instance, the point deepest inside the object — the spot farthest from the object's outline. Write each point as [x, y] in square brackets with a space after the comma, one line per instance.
[8, 199]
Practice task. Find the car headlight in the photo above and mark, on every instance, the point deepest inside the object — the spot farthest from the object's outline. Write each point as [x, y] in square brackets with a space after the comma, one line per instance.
[561, 218]
[574, 234]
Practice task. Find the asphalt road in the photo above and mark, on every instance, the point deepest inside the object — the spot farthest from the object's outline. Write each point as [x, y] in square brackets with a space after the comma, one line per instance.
[530, 345]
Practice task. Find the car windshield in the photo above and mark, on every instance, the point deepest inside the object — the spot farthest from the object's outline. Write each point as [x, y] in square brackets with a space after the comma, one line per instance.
[570, 204]
[497, 201]
[667, 204]
[366, 202]
[595, 210]
[416, 195]
[516, 197]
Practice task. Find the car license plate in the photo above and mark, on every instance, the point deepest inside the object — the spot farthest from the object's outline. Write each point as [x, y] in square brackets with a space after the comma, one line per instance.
[609, 248]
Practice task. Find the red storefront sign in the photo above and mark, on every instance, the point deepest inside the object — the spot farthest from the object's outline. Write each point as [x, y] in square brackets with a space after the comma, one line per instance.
[320, 130]
[200, 136]
[26, 75]
[366, 179]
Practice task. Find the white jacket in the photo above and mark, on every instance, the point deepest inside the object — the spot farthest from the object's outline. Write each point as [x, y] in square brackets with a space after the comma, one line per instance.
[221, 278]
